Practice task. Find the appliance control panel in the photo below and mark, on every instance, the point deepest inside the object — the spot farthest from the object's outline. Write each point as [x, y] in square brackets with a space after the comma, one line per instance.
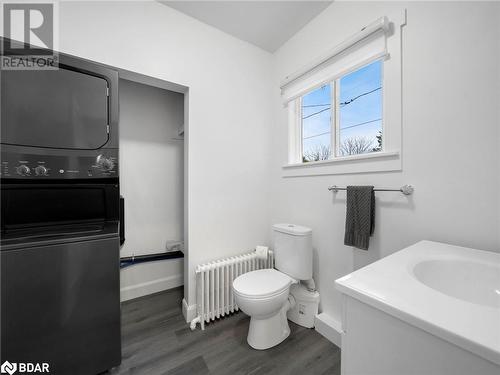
[98, 164]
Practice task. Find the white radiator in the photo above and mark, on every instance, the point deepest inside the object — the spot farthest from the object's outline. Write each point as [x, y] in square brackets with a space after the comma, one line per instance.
[214, 285]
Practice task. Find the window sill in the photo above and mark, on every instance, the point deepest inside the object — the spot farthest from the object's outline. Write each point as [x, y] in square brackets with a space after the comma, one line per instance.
[373, 162]
[341, 159]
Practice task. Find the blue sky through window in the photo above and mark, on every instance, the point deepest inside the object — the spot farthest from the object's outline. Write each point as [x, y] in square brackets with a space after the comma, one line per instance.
[361, 105]
[360, 113]
[316, 120]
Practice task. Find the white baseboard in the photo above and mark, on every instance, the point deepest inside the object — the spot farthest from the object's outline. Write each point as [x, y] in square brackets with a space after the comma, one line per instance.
[189, 311]
[150, 287]
[329, 327]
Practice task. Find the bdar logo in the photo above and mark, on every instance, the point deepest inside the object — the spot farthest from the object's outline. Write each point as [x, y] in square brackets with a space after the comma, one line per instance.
[8, 368]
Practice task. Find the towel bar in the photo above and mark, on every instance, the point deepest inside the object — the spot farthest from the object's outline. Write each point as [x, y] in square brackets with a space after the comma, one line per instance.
[405, 189]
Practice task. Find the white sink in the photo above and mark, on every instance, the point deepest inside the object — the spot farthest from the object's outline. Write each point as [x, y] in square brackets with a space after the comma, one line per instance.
[466, 280]
[448, 291]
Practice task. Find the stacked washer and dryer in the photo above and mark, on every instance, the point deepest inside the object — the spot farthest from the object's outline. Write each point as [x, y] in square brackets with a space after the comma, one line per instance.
[271, 297]
[60, 282]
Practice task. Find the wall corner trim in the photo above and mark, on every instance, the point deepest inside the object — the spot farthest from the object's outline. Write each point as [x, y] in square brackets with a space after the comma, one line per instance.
[150, 287]
[188, 311]
[329, 327]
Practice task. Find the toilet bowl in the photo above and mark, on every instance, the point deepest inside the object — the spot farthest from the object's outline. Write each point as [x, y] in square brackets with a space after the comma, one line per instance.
[264, 295]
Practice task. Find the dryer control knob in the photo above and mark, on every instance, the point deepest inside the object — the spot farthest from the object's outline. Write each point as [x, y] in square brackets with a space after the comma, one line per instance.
[23, 170]
[41, 170]
[104, 163]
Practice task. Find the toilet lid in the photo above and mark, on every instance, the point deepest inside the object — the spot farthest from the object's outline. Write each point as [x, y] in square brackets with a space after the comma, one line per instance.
[261, 283]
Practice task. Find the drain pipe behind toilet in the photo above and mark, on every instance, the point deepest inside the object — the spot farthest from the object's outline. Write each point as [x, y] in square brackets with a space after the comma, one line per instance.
[310, 285]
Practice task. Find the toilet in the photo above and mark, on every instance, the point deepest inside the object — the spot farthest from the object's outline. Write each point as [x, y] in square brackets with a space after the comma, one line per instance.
[264, 294]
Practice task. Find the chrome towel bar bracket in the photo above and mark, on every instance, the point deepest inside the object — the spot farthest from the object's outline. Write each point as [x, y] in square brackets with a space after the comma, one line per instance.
[405, 189]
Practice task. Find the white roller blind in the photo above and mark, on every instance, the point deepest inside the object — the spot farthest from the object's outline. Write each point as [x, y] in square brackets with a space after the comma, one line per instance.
[349, 58]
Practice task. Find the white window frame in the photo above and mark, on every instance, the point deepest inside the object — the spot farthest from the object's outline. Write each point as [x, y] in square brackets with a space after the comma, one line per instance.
[389, 158]
[336, 118]
[334, 83]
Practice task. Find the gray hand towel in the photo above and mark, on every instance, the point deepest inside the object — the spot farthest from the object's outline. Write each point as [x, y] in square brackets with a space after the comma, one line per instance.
[360, 216]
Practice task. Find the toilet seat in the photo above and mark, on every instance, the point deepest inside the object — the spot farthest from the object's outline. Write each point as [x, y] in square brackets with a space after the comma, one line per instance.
[262, 284]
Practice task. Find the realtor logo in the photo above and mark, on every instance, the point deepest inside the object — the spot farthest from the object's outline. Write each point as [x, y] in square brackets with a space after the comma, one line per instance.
[8, 368]
[31, 24]
[30, 36]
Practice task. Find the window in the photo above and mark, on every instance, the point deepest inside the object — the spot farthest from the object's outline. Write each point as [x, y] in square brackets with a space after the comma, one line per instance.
[316, 111]
[343, 117]
[344, 109]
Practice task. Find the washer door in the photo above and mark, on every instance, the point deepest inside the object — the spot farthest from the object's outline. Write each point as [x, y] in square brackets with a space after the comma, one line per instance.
[61, 305]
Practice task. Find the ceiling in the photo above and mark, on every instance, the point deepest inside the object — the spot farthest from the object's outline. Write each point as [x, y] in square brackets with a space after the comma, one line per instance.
[266, 24]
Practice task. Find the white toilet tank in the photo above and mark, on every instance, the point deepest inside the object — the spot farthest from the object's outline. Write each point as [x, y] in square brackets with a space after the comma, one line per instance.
[293, 250]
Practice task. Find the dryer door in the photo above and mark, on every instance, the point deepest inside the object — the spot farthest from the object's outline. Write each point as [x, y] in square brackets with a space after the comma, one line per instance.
[62, 108]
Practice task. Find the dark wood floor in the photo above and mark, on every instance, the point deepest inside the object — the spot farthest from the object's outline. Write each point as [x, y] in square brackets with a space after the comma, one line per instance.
[157, 340]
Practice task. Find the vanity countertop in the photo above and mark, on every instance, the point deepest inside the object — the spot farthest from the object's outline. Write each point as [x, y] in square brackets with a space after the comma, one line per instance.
[449, 291]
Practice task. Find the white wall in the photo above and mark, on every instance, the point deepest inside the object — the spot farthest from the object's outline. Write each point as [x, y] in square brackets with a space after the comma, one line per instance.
[235, 152]
[152, 182]
[498, 111]
[450, 148]
[229, 112]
